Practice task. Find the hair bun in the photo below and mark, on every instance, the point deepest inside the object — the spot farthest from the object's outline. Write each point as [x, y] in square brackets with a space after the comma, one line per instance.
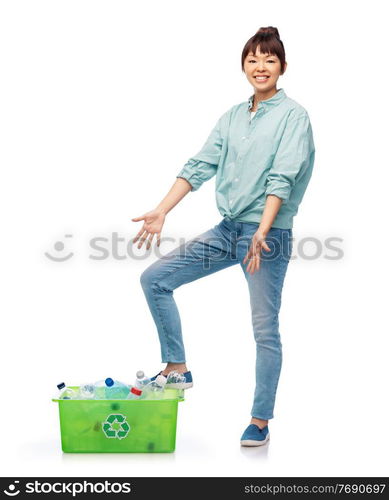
[268, 31]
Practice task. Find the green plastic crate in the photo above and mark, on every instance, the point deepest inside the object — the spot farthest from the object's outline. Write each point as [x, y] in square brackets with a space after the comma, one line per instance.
[119, 426]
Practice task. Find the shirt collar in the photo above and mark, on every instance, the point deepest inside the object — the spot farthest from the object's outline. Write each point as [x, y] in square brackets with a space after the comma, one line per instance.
[278, 97]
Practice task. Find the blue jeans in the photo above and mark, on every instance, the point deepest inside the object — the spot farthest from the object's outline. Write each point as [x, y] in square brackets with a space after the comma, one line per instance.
[225, 245]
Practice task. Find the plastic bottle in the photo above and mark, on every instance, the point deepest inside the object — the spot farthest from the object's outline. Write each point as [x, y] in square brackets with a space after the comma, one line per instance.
[100, 387]
[110, 389]
[161, 381]
[116, 390]
[87, 391]
[135, 393]
[155, 389]
[141, 379]
[66, 392]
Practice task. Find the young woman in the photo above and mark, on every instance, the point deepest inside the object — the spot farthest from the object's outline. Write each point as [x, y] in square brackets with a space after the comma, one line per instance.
[262, 153]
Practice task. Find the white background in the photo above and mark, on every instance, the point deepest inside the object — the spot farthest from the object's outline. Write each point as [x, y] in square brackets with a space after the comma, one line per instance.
[101, 105]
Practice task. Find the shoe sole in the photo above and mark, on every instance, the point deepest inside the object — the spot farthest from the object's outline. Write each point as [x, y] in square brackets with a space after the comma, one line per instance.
[187, 385]
[254, 442]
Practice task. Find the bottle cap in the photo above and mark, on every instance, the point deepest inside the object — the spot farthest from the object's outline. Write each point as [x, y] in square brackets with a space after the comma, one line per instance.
[136, 391]
[140, 374]
[109, 382]
[161, 380]
[61, 385]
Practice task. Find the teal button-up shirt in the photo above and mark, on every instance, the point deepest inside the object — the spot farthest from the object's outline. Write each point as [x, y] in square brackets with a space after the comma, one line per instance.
[271, 154]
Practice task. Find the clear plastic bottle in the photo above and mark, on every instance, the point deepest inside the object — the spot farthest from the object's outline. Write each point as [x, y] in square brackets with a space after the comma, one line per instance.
[116, 389]
[87, 391]
[155, 389]
[66, 392]
[135, 393]
[100, 387]
[141, 380]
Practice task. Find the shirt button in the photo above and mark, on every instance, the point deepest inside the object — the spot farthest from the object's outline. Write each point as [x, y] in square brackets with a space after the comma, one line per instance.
[243, 138]
[236, 179]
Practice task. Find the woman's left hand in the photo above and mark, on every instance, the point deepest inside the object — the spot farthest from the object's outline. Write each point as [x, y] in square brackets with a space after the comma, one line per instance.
[254, 253]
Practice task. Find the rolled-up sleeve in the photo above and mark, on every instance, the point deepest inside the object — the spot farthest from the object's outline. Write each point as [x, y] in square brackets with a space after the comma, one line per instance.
[294, 157]
[202, 166]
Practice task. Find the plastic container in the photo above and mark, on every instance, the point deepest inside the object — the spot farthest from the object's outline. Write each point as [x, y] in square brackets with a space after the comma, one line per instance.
[119, 425]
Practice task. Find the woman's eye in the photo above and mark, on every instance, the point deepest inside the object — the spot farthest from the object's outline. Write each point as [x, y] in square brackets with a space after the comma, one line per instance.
[270, 60]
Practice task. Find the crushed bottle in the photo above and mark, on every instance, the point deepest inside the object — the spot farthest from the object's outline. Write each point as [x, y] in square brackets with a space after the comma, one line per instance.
[66, 392]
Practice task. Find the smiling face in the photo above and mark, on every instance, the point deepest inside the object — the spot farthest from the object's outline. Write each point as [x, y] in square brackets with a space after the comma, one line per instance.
[262, 71]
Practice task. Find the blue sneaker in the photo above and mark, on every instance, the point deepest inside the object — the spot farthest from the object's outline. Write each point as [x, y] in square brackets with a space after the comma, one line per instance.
[254, 436]
[185, 383]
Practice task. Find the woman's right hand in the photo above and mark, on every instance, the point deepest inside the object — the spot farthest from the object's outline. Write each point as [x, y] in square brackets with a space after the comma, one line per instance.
[153, 222]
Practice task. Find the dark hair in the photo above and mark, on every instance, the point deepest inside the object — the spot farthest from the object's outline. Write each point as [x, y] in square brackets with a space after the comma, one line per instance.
[270, 43]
